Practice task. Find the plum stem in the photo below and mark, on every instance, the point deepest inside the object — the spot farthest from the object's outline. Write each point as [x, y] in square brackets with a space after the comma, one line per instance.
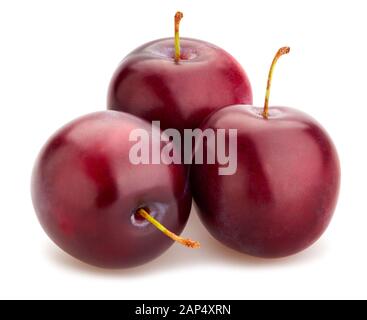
[186, 242]
[281, 51]
[178, 17]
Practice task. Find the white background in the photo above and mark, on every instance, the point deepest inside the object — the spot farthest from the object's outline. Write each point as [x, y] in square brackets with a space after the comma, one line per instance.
[56, 59]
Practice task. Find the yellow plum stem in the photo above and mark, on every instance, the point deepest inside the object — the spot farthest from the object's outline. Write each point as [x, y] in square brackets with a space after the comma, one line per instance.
[186, 242]
[178, 18]
[280, 52]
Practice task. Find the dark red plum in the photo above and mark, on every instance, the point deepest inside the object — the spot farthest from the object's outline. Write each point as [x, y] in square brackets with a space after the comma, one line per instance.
[178, 82]
[284, 192]
[88, 196]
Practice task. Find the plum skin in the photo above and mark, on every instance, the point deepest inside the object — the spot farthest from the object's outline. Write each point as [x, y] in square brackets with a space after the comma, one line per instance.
[150, 84]
[285, 190]
[85, 192]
